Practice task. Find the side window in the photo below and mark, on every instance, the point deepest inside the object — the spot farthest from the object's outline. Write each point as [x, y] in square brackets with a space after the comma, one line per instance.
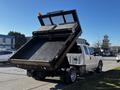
[91, 50]
[86, 50]
[79, 50]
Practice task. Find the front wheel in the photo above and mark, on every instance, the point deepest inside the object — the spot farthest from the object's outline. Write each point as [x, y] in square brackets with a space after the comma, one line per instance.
[99, 68]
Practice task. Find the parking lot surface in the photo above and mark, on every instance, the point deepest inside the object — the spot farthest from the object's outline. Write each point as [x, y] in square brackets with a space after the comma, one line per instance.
[12, 78]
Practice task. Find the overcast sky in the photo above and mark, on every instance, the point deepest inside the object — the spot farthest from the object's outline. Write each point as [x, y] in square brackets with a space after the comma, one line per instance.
[97, 17]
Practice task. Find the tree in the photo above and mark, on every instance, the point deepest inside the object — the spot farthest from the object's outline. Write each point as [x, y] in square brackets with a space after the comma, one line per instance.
[98, 44]
[105, 43]
[20, 39]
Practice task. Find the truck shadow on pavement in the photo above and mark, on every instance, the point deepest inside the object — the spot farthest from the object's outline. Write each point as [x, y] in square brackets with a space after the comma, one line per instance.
[59, 84]
[109, 80]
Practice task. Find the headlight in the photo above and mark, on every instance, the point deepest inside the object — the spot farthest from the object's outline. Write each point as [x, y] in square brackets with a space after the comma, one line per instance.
[117, 58]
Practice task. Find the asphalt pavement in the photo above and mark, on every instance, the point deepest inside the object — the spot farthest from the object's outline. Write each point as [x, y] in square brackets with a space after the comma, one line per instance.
[12, 78]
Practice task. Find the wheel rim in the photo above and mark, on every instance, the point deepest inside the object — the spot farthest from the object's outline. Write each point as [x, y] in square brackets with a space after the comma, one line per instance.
[73, 76]
[100, 67]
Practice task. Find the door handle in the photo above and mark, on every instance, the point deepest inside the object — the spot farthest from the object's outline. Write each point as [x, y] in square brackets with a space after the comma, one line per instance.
[75, 59]
[90, 58]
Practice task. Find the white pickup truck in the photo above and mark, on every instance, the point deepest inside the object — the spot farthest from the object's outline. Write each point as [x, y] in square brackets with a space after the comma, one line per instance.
[84, 61]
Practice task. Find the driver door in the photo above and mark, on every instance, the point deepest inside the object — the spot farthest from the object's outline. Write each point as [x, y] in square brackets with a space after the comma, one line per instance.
[87, 58]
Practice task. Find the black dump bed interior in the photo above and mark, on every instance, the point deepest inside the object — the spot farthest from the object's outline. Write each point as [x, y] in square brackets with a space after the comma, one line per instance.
[49, 45]
[40, 49]
[48, 51]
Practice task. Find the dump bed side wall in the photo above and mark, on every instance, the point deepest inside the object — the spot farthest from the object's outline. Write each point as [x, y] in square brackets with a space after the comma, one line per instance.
[71, 41]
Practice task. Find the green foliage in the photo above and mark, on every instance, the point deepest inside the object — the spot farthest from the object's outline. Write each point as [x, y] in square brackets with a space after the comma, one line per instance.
[106, 44]
[118, 68]
[98, 44]
[20, 39]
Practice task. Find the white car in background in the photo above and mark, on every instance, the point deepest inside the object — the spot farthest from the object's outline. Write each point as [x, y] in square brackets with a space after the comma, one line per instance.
[118, 58]
[5, 55]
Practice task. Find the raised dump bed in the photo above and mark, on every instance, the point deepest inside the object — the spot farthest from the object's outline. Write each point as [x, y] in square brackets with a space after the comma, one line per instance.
[49, 45]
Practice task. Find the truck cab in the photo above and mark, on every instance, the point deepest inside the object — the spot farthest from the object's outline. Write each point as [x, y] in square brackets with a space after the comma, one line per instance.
[82, 61]
[85, 57]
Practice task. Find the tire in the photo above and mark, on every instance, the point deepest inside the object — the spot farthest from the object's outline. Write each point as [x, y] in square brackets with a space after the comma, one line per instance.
[118, 61]
[29, 73]
[39, 75]
[99, 67]
[70, 76]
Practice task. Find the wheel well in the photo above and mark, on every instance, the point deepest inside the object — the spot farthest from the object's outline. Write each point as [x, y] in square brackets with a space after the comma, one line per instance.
[101, 62]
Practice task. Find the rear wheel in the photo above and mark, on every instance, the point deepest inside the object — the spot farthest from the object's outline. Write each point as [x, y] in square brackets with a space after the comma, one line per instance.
[39, 75]
[70, 76]
[99, 68]
[118, 61]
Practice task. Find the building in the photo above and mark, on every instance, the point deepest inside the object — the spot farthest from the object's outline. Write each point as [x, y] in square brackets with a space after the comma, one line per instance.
[7, 42]
[115, 49]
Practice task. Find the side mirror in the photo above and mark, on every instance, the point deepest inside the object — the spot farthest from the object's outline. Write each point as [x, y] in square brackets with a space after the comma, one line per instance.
[96, 54]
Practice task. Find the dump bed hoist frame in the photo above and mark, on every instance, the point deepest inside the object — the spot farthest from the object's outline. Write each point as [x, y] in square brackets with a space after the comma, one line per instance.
[51, 29]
